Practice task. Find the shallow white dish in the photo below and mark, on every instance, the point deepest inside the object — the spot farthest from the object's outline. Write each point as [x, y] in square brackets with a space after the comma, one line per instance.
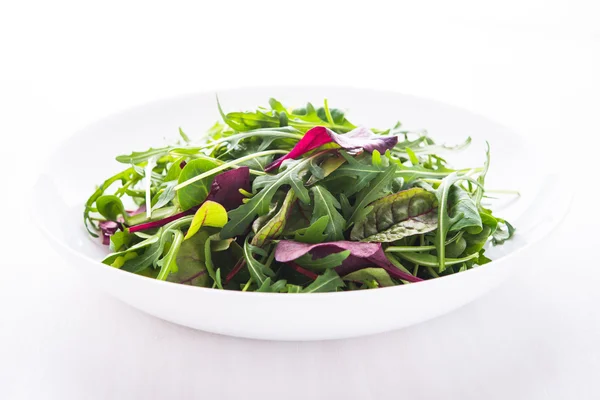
[88, 157]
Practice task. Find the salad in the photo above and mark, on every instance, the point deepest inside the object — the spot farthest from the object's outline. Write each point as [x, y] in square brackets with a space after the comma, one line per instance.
[295, 201]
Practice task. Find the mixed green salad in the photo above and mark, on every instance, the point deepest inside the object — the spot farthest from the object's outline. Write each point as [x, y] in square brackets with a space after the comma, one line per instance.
[295, 201]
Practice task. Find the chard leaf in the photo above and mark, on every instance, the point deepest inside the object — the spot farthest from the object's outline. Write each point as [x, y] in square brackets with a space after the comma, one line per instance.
[321, 264]
[325, 204]
[362, 255]
[376, 189]
[275, 226]
[242, 217]
[209, 214]
[196, 192]
[393, 217]
[190, 262]
[360, 138]
[330, 281]
[367, 274]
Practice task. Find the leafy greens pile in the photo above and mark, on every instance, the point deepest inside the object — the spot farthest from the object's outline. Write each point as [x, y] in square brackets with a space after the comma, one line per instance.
[295, 201]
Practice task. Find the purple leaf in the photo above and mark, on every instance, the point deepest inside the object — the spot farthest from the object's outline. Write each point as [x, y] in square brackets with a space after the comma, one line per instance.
[362, 255]
[359, 138]
[108, 229]
[224, 190]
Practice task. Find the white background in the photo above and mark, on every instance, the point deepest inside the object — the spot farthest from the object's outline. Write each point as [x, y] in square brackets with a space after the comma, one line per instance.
[532, 65]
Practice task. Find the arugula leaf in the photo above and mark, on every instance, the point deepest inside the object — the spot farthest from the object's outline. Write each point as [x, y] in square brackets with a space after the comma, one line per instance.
[363, 169]
[138, 157]
[327, 205]
[315, 233]
[242, 217]
[463, 211]
[328, 282]
[376, 189]
[258, 271]
[377, 274]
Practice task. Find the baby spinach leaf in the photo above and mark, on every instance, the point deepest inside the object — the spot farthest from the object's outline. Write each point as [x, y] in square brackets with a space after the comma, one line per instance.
[325, 204]
[328, 282]
[463, 211]
[111, 207]
[195, 193]
[393, 217]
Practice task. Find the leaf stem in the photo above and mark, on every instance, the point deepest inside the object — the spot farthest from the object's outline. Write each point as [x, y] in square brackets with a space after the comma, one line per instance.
[247, 285]
[227, 165]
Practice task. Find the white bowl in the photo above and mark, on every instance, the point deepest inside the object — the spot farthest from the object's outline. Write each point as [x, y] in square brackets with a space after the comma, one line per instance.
[86, 158]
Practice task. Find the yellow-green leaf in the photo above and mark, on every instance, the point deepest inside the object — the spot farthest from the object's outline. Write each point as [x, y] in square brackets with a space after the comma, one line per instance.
[209, 214]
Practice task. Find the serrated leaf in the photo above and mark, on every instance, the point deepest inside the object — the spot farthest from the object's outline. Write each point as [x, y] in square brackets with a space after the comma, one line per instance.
[258, 271]
[376, 189]
[315, 233]
[330, 281]
[325, 204]
[393, 217]
[138, 157]
[362, 169]
[242, 217]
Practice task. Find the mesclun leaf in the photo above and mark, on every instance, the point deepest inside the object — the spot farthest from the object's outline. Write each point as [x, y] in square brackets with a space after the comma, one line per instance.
[190, 262]
[209, 214]
[362, 255]
[258, 271]
[363, 169]
[328, 282]
[504, 232]
[111, 207]
[374, 274]
[195, 193]
[242, 217]
[377, 188]
[166, 196]
[398, 215]
[360, 138]
[138, 157]
[325, 204]
[463, 211]
[321, 264]
[274, 227]
[315, 233]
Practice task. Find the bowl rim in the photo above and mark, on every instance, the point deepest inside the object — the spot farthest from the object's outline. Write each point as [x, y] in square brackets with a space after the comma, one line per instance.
[37, 191]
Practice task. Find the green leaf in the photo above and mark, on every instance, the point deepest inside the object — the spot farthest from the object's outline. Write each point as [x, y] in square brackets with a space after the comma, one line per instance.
[376, 189]
[138, 157]
[504, 232]
[209, 214]
[363, 169]
[258, 271]
[402, 214]
[165, 196]
[367, 274]
[293, 288]
[174, 170]
[241, 217]
[325, 204]
[120, 239]
[184, 136]
[315, 233]
[275, 226]
[323, 263]
[429, 260]
[149, 257]
[111, 207]
[195, 193]
[190, 262]
[463, 211]
[168, 262]
[329, 281]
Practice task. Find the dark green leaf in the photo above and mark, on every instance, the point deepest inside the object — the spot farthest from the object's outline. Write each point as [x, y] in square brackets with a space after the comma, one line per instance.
[323, 263]
[325, 204]
[328, 282]
[195, 193]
